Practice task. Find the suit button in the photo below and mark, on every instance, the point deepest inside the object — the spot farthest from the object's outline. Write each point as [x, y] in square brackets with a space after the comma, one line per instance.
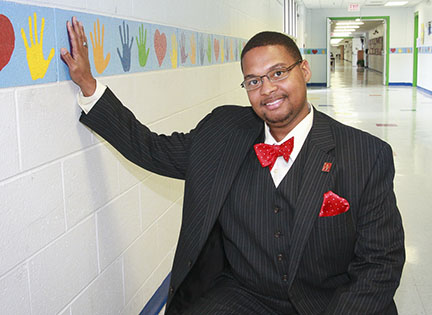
[277, 234]
[279, 257]
[171, 290]
[285, 278]
[276, 210]
[189, 263]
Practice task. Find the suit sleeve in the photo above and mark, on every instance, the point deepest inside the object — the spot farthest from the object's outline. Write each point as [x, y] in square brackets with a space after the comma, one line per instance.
[161, 154]
[379, 254]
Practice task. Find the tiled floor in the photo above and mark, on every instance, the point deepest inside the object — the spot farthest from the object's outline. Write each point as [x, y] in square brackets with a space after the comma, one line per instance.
[402, 116]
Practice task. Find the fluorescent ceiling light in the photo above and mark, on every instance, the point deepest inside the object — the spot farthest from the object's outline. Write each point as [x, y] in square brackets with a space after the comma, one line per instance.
[395, 3]
[341, 34]
[346, 26]
[350, 23]
[344, 30]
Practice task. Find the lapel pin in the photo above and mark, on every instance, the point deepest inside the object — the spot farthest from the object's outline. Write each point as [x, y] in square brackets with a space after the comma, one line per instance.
[326, 167]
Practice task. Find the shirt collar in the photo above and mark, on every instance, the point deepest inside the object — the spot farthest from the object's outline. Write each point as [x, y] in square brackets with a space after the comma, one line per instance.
[299, 133]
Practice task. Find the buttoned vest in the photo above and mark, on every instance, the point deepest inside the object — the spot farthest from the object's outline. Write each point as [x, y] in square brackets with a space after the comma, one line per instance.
[256, 221]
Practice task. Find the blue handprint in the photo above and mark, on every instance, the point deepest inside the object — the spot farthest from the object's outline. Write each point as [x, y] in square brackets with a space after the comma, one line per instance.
[183, 54]
[127, 46]
[202, 49]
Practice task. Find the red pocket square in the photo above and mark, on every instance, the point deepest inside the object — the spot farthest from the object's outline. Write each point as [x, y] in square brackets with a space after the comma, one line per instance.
[333, 205]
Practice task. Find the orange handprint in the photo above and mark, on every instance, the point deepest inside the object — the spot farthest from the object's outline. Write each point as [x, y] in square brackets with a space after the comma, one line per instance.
[193, 49]
[98, 55]
[38, 65]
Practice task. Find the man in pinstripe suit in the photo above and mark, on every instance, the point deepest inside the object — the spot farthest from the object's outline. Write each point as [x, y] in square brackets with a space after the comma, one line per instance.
[314, 231]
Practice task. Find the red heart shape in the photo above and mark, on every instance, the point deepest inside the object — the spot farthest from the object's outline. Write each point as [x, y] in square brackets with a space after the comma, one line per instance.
[314, 51]
[393, 50]
[160, 46]
[7, 41]
[216, 48]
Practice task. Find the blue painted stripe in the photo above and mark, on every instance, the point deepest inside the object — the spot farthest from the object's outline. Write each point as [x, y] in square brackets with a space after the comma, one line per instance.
[400, 84]
[424, 90]
[158, 300]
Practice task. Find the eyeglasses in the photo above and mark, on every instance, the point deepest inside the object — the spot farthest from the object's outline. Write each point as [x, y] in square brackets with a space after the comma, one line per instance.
[275, 75]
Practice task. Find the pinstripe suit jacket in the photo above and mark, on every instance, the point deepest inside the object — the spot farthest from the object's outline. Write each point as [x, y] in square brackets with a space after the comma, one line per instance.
[347, 264]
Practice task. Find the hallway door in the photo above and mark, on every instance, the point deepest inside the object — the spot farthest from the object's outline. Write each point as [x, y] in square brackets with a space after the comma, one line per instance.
[328, 67]
[415, 49]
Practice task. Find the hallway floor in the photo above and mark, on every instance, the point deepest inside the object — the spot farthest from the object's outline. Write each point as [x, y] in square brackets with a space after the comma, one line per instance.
[402, 116]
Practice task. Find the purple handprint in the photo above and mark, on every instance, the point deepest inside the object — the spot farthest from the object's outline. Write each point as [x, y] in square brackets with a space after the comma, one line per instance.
[127, 46]
[183, 54]
[227, 50]
[202, 48]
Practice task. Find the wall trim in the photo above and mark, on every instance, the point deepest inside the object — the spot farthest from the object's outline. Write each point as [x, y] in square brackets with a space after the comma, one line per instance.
[400, 84]
[317, 84]
[429, 92]
[159, 298]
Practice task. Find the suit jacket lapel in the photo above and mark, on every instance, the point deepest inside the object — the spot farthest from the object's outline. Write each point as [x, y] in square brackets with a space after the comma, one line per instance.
[315, 183]
[236, 146]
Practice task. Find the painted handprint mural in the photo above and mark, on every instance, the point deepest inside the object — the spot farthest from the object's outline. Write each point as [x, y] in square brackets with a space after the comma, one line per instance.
[37, 63]
[173, 52]
[126, 43]
[160, 46]
[183, 53]
[7, 40]
[31, 35]
[143, 50]
[97, 40]
[193, 54]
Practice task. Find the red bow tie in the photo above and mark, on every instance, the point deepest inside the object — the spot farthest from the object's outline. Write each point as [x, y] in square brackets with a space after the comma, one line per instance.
[268, 153]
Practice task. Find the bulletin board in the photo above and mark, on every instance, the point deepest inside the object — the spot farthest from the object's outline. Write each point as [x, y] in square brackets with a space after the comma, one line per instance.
[376, 46]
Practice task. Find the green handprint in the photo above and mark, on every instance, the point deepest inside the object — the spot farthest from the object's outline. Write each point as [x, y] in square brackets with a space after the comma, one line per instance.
[143, 52]
[209, 49]
[38, 65]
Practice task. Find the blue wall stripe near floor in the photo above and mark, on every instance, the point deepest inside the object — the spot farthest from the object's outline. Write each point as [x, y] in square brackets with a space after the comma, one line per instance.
[400, 84]
[158, 300]
[317, 84]
[424, 90]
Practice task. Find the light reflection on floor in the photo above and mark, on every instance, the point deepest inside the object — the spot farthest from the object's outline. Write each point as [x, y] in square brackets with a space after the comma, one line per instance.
[402, 116]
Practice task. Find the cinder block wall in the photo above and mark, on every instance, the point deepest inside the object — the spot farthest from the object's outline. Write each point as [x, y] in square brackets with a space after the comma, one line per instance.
[82, 230]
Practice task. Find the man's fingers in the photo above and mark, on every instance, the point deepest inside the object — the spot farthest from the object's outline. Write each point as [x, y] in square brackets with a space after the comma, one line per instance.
[66, 56]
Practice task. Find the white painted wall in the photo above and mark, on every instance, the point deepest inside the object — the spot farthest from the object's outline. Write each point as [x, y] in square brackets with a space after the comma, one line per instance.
[82, 230]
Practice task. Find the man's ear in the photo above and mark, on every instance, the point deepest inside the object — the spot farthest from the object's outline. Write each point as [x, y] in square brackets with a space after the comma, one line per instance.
[307, 73]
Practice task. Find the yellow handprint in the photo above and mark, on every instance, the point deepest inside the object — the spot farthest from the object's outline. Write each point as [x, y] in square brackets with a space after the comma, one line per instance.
[38, 65]
[193, 49]
[98, 56]
[173, 53]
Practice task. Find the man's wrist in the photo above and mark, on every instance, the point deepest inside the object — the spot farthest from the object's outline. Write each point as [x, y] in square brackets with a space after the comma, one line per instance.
[89, 88]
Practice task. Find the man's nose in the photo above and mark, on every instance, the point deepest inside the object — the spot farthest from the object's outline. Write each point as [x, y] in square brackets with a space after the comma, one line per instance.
[267, 86]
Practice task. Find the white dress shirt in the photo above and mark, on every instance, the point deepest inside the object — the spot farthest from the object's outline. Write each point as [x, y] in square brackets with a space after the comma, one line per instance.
[300, 132]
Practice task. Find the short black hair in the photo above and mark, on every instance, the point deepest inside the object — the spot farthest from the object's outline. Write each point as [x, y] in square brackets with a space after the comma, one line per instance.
[272, 38]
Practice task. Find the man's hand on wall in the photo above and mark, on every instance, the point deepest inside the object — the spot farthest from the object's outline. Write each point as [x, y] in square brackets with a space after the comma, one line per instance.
[78, 62]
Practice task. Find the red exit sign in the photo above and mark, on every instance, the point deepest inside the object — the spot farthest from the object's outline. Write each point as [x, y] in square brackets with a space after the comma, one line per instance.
[352, 7]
